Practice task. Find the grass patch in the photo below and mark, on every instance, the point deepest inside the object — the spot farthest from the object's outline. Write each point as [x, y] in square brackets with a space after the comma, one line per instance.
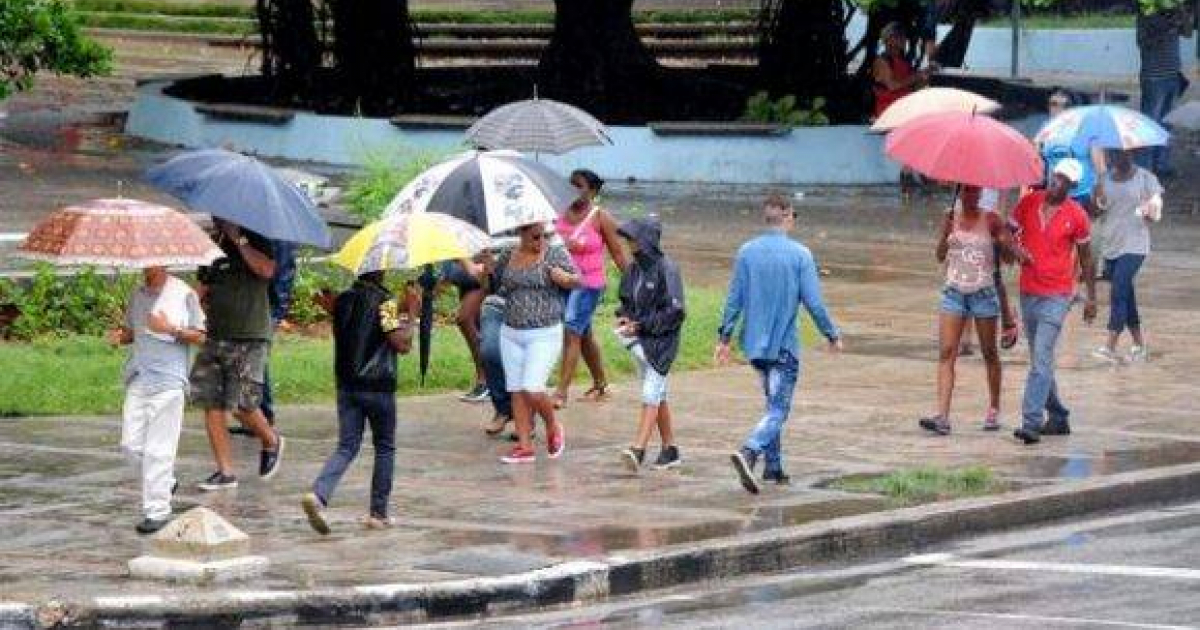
[81, 375]
[158, 23]
[925, 484]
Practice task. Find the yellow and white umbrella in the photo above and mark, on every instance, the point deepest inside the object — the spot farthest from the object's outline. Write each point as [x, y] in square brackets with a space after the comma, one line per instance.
[406, 241]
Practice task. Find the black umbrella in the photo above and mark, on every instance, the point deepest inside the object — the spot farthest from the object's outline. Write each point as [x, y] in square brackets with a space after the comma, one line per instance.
[428, 282]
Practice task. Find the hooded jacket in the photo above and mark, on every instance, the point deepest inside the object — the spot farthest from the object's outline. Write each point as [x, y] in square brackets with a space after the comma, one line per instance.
[651, 294]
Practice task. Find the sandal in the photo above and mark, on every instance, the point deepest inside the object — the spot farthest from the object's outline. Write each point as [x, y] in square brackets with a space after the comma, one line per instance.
[1009, 336]
[497, 425]
[560, 400]
[597, 394]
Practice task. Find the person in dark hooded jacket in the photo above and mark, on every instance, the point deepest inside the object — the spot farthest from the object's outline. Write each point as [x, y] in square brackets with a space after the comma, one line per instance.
[649, 323]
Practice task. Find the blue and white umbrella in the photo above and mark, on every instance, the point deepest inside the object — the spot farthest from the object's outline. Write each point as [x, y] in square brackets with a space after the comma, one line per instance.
[242, 190]
[1103, 126]
[496, 191]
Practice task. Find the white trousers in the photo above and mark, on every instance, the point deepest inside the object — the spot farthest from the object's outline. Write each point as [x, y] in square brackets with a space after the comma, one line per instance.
[150, 439]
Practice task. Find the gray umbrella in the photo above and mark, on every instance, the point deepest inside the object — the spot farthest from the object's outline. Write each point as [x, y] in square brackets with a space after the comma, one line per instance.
[539, 126]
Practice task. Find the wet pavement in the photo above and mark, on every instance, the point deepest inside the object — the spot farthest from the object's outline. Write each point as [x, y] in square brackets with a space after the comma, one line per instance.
[68, 503]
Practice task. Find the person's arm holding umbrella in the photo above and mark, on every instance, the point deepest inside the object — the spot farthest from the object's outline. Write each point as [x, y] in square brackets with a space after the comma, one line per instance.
[260, 264]
[398, 317]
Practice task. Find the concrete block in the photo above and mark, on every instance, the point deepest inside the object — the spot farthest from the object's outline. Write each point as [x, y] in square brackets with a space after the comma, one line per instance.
[199, 547]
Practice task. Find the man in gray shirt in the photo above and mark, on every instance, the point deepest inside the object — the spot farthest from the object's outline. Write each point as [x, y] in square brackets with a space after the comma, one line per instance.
[163, 319]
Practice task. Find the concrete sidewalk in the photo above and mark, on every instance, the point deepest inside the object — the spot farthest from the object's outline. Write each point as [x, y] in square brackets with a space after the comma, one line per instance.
[67, 502]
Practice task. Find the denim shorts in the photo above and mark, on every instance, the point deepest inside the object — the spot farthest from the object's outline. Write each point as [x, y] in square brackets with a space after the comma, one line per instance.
[581, 307]
[654, 383]
[982, 304]
[529, 355]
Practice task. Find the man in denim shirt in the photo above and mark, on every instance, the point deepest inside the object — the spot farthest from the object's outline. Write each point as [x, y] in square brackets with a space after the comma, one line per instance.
[772, 276]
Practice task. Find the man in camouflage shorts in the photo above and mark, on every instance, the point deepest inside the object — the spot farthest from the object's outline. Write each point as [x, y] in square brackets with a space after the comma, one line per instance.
[229, 373]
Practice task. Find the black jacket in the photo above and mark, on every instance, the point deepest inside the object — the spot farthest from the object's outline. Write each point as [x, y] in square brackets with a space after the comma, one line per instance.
[363, 359]
[651, 294]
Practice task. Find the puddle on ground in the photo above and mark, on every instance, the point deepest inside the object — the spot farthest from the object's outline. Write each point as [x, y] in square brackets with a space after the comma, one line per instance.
[604, 540]
[1085, 465]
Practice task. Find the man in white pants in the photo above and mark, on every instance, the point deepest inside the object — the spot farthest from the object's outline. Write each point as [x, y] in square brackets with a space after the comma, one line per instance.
[163, 319]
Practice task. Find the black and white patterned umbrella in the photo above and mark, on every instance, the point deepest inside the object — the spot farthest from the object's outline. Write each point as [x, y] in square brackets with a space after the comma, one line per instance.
[495, 191]
[539, 126]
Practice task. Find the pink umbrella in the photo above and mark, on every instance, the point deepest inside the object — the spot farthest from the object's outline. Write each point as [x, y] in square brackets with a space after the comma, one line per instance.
[966, 148]
[123, 233]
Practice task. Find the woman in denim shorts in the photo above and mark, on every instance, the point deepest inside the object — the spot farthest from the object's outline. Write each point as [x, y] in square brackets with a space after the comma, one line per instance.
[589, 232]
[967, 246]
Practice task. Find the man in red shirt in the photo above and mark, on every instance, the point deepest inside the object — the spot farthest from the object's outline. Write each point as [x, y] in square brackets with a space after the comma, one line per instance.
[1055, 232]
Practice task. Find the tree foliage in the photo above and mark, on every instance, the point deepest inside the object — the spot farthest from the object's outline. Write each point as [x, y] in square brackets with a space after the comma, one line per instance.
[44, 35]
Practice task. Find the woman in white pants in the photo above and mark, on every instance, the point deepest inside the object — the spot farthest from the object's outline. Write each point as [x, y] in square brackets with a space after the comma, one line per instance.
[533, 280]
[163, 319]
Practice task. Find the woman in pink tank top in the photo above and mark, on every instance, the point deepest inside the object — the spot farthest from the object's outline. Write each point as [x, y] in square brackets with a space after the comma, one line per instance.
[588, 231]
[967, 246]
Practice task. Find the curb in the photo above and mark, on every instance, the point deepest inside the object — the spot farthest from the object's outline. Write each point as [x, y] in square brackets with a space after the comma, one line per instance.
[584, 581]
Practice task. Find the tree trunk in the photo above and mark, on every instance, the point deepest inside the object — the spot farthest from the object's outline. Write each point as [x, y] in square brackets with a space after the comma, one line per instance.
[952, 50]
[374, 54]
[595, 59]
[292, 51]
[803, 52]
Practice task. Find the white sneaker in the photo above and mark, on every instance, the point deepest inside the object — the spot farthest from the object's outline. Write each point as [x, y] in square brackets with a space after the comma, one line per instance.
[1139, 354]
[1104, 353]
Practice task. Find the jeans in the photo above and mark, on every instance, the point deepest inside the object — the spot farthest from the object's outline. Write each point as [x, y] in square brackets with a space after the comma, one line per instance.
[1158, 99]
[355, 410]
[268, 397]
[152, 422]
[1123, 310]
[779, 384]
[580, 309]
[490, 322]
[1044, 317]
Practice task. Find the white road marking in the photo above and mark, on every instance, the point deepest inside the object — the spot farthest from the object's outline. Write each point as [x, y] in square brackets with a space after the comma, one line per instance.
[1073, 621]
[12, 237]
[948, 560]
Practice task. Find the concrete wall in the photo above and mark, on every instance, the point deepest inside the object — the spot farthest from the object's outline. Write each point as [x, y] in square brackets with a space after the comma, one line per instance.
[826, 155]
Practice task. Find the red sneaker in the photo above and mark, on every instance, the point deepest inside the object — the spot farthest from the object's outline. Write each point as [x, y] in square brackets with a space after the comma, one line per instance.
[557, 443]
[520, 456]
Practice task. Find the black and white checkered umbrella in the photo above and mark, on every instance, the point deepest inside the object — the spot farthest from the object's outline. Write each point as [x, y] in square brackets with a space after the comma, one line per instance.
[539, 126]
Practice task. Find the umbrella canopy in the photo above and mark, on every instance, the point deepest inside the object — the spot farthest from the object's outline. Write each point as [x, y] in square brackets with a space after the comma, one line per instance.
[124, 233]
[410, 240]
[966, 149]
[933, 100]
[1186, 116]
[496, 191]
[1103, 126]
[242, 190]
[538, 125]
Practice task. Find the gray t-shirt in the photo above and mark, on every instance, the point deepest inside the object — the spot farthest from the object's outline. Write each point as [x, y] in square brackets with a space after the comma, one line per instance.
[1124, 232]
[157, 362]
[532, 300]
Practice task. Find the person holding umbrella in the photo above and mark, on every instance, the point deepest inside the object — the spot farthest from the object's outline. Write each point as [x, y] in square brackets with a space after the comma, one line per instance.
[229, 373]
[588, 231]
[163, 320]
[532, 279]
[1130, 198]
[370, 327]
[1056, 233]
[967, 246]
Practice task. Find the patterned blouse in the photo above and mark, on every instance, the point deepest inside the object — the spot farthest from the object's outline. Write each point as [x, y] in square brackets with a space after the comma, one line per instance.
[532, 298]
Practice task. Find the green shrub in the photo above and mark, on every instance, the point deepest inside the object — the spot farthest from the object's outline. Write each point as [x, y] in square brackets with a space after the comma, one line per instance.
[53, 305]
[381, 178]
[760, 108]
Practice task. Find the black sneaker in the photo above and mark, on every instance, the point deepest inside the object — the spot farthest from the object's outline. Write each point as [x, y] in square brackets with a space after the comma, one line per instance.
[219, 481]
[668, 458]
[314, 509]
[268, 461]
[1059, 427]
[633, 458]
[1027, 436]
[936, 425]
[241, 430]
[478, 394]
[744, 462]
[778, 477]
[151, 525]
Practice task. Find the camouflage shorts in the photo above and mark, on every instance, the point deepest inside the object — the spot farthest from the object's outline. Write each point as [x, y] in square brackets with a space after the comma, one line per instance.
[229, 374]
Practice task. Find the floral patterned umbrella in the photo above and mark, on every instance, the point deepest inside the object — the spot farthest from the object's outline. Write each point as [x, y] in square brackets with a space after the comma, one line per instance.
[124, 233]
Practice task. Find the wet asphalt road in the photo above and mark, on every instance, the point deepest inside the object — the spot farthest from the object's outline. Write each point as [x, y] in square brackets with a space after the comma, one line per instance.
[1139, 570]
